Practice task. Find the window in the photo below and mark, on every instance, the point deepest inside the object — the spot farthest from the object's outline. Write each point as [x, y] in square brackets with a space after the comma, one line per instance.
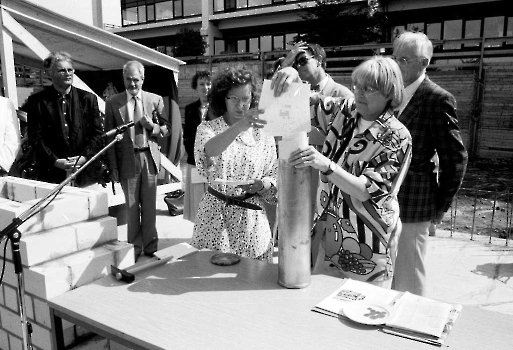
[493, 27]
[141, 14]
[509, 30]
[289, 40]
[278, 43]
[150, 11]
[434, 31]
[453, 30]
[253, 45]
[191, 7]
[219, 47]
[253, 3]
[164, 10]
[241, 46]
[266, 43]
[129, 16]
[472, 30]
[415, 27]
[396, 31]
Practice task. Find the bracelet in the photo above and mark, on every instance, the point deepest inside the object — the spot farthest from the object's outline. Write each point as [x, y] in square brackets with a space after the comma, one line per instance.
[331, 169]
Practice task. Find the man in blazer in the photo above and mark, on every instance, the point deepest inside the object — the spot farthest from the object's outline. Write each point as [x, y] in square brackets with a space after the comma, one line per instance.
[64, 125]
[429, 113]
[134, 161]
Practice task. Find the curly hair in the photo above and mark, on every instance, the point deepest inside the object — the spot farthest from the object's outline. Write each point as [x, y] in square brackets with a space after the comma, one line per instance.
[228, 78]
[54, 57]
[201, 74]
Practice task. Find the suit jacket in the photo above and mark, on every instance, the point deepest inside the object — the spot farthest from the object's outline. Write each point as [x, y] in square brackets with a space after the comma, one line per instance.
[122, 156]
[192, 120]
[431, 118]
[319, 117]
[48, 134]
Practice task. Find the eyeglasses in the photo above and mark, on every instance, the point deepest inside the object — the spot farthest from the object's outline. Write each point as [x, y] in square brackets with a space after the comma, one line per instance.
[66, 71]
[302, 61]
[404, 61]
[366, 90]
[236, 100]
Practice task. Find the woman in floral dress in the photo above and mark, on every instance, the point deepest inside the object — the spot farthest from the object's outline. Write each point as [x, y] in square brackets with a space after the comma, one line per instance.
[240, 164]
[364, 159]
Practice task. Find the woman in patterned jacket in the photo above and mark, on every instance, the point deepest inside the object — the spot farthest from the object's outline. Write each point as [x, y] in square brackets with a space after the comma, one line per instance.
[363, 162]
[240, 164]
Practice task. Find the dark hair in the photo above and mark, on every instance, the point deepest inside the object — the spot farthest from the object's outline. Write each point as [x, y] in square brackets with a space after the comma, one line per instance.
[201, 74]
[55, 57]
[318, 52]
[226, 79]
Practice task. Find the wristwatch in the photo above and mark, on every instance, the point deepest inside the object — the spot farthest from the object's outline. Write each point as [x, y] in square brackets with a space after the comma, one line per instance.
[331, 168]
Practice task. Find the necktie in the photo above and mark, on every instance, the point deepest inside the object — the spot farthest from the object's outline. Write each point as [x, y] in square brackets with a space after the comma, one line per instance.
[139, 140]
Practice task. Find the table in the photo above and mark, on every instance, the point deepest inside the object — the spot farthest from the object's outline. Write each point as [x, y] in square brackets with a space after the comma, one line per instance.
[193, 304]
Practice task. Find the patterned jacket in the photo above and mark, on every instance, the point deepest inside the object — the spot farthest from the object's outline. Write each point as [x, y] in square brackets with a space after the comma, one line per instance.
[431, 118]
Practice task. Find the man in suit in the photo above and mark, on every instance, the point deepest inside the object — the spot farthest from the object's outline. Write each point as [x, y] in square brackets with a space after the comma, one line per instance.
[309, 60]
[429, 113]
[9, 135]
[134, 161]
[64, 125]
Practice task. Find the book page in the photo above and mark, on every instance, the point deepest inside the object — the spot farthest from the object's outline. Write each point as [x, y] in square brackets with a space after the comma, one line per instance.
[419, 314]
[354, 291]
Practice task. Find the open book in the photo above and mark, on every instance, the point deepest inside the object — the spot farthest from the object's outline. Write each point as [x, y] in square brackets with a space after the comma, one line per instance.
[399, 313]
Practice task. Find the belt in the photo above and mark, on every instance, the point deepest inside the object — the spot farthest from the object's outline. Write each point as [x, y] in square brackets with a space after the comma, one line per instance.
[142, 149]
[235, 200]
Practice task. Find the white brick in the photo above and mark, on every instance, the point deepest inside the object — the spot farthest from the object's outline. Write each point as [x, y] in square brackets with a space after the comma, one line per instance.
[23, 190]
[58, 276]
[10, 210]
[15, 343]
[93, 233]
[123, 254]
[63, 211]
[42, 313]
[11, 321]
[43, 189]
[98, 200]
[41, 337]
[11, 298]
[48, 245]
[29, 307]
[4, 339]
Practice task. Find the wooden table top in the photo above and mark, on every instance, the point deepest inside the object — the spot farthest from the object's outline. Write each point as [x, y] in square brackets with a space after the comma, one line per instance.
[193, 304]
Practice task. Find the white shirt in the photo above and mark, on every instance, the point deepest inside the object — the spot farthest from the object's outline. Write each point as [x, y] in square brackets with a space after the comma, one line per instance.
[409, 91]
[9, 133]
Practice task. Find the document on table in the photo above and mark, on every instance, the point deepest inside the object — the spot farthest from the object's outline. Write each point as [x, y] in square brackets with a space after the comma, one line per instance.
[287, 114]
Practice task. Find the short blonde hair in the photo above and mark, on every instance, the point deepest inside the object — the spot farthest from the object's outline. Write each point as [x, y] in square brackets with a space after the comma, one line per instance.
[383, 74]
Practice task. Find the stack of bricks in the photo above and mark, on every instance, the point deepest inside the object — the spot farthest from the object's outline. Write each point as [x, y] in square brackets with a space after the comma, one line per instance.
[69, 243]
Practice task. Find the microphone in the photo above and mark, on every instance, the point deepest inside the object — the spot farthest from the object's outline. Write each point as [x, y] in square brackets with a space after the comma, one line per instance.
[120, 129]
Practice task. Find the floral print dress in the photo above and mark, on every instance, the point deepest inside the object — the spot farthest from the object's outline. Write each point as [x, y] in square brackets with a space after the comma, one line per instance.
[230, 228]
[359, 239]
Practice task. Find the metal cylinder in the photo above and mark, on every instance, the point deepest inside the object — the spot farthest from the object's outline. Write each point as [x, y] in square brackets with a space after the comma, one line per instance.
[294, 224]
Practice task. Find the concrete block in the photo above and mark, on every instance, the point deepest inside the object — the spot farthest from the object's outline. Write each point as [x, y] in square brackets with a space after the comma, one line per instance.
[48, 245]
[63, 211]
[4, 339]
[94, 233]
[41, 312]
[15, 343]
[98, 200]
[29, 306]
[56, 277]
[9, 210]
[11, 298]
[41, 336]
[11, 321]
[123, 254]
[23, 190]
[43, 189]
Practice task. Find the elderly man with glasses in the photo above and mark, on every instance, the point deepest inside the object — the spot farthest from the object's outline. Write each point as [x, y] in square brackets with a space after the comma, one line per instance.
[429, 113]
[64, 125]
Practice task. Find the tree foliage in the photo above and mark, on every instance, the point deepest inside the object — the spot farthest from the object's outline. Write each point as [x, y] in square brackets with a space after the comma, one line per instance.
[343, 22]
[189, 42]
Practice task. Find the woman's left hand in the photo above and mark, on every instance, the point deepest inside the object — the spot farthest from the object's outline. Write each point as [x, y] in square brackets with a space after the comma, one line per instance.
[254, 187]
[309, 156]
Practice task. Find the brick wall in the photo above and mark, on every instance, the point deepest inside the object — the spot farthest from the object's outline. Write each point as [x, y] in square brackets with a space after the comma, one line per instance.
[71, 242]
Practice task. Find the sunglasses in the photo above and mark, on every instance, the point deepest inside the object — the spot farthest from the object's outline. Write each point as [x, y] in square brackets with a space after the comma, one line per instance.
[302, 61]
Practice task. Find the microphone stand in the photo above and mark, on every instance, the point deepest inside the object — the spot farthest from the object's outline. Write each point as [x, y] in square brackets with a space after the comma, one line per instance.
[12, 233]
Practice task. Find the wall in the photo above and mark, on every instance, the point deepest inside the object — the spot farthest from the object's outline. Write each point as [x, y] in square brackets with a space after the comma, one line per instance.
[494, 137]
